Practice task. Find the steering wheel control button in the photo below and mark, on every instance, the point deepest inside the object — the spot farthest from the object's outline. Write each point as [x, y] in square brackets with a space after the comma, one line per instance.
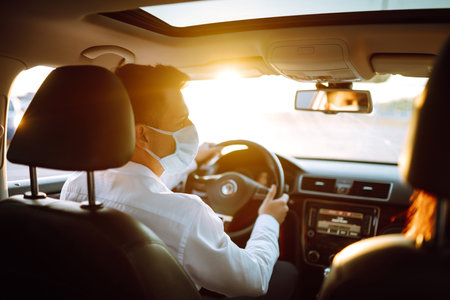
[228, 188]
[313, 256]
[260, 193]
[310, 233]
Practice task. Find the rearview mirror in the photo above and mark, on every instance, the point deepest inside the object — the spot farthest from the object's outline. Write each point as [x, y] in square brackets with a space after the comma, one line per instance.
[333, 101]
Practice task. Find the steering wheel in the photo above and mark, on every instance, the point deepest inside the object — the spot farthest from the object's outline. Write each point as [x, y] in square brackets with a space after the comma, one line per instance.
[235, 194]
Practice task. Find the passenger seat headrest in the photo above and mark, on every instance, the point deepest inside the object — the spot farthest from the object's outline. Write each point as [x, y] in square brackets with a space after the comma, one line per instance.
[80, 119]
[425, 161]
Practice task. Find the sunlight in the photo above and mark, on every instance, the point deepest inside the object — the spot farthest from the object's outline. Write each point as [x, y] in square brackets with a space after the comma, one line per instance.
[229, 75]
[17, 119]
[262, 110]
[214, 105]
[220, 107]
[29, 80]
[232, 148]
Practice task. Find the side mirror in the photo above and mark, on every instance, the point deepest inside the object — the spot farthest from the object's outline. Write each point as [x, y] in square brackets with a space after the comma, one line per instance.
[333, 101]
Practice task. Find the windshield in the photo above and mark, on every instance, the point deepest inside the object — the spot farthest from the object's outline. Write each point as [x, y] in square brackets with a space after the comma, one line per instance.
[262, 110]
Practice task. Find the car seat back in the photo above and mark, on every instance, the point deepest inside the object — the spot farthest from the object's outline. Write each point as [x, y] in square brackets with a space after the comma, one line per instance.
[80, 119]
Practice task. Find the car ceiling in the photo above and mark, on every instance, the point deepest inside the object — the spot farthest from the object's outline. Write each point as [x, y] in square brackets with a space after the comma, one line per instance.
[55, 33]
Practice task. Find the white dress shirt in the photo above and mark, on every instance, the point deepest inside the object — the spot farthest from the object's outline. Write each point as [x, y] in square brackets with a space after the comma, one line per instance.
[189, 227]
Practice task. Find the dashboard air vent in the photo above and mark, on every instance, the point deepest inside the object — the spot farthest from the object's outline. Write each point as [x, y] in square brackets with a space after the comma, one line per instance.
[318, 184]
[370, 189]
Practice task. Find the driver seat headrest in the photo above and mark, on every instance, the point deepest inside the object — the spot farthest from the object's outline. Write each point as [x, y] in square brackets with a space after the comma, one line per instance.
[80, 119]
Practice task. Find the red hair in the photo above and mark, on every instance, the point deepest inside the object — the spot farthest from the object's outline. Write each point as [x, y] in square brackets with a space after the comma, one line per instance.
[421, 216]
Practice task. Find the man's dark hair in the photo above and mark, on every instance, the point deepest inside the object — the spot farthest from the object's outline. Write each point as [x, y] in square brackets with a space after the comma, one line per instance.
[145, 85]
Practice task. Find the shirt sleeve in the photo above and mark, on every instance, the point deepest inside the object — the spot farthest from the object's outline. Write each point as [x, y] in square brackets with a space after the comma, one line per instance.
[216, 263]
[71, 189]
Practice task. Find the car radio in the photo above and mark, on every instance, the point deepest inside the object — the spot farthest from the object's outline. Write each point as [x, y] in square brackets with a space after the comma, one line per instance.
[331, 226]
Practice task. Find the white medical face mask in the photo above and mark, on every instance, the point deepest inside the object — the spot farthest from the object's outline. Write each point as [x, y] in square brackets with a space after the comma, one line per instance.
[186, 140]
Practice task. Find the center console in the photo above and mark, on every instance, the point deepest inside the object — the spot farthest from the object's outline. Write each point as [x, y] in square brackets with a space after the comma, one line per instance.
[329, 226]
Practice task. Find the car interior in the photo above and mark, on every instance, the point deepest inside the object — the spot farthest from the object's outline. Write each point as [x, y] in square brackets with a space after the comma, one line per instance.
[348, 118]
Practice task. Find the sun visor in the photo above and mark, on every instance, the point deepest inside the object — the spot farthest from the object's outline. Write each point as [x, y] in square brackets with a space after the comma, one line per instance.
[416, 65]
[247, 67]
[313, 60]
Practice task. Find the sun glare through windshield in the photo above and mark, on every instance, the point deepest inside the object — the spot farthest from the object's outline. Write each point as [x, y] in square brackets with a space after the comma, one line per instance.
[262, 110]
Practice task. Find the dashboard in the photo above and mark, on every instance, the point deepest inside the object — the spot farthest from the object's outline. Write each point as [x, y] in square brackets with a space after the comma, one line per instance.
[330, 226]
[339, 202]
[332, 203]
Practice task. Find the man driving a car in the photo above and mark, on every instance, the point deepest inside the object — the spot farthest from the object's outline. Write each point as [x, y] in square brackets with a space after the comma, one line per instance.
[167, 141]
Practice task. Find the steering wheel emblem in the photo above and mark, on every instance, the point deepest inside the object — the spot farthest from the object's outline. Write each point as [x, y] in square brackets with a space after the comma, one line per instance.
[228, 187]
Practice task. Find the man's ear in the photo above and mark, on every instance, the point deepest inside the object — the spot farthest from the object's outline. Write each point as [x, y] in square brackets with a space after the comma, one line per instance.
[142, 140]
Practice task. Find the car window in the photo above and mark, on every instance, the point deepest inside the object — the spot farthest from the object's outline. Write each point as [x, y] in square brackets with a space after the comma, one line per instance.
[24, 87]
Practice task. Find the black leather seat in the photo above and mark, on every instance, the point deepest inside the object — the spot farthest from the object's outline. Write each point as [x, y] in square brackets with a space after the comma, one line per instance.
[80, 119]
[393, 266]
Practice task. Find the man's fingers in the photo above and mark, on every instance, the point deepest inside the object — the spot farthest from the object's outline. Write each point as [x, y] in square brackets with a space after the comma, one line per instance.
[271, 194]
[206, 152]
[284, 198]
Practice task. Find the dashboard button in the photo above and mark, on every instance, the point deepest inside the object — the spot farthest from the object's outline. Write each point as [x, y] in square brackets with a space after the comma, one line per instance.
[313, 256]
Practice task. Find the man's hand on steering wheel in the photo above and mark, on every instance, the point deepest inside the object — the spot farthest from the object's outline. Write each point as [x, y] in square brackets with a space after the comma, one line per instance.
[207, 151]
[277, 208]
[233, 194]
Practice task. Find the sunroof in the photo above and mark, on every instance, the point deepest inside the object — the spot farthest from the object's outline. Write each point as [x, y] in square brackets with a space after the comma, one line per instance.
[215, 11]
